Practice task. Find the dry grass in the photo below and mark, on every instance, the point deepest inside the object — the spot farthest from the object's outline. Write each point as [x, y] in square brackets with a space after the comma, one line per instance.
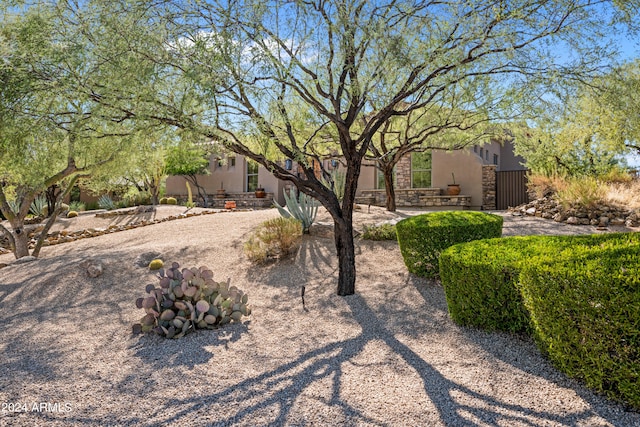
[616, 190]
[624, 194]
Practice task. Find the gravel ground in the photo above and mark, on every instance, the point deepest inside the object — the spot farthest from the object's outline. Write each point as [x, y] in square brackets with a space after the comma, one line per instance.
[388, 355]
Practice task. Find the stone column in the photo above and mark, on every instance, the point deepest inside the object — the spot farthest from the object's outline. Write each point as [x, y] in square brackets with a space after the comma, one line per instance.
[489, 187]
[403, 173]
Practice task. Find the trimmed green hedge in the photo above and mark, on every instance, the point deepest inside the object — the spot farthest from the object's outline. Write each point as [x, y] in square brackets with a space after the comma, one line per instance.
[480, 277]
[586, 316]
[423, 237]
[578, 295]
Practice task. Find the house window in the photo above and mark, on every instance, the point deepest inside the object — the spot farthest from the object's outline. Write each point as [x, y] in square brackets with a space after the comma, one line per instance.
[486, 155]
[232, 162]
[421, 170]
[495, 159]
[380, 179]
[252, 175]
[475, 148]
[481, 152]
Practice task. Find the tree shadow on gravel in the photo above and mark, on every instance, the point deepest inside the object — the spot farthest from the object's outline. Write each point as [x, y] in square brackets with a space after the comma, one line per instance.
[279, 388]
[520, 352]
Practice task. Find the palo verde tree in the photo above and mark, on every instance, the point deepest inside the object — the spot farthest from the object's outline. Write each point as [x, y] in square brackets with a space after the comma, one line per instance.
[587, 133]
[252, 63]
[50, 133]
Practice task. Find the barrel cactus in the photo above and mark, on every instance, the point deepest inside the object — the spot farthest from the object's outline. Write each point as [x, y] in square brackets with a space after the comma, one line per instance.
[156, 264]
[189, 299]
[72, 214]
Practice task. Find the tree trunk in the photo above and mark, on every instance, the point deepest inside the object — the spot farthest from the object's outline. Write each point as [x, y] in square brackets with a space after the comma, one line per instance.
[389, 189]
[202, 193]
[343, 231]
[52, 193]
[20, 239]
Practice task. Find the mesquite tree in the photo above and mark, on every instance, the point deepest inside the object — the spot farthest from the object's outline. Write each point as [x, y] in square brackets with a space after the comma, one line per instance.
[258, 69]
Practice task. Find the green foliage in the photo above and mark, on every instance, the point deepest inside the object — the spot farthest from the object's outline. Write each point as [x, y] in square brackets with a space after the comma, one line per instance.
[156, 264]
[77, 206]
[189, 299]
[274, 238]
[304, 209]
[187, 160]
[72, 214]
[172, 201]
[105, 202]
[585, 312]
[379, 232]
[480, 277]
[423, 237]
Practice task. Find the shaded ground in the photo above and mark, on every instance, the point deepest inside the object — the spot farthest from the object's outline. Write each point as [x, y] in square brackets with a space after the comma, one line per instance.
[388, 355]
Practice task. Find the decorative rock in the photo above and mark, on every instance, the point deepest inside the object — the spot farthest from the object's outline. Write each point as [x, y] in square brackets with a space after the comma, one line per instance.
[3, 265]
[572, 220]
[585, 221]
[95, 269]
[617, 221]
[530, 211]
[25, 259]
[604, 221]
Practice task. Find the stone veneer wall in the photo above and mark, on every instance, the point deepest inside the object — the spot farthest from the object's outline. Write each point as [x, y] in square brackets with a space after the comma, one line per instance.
[489, 187]
[244, 200]
[419, 197]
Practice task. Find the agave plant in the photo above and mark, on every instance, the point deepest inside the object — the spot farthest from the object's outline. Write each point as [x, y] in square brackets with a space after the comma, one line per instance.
[304, 209]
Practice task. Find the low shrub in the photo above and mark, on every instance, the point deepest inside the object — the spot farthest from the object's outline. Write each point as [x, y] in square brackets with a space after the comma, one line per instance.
[423, 237]
[189, 299]
[77, 206]
[480, 277]
[379, 232]
[274, 238]
[582, 192]
[172, 201]
[72, 214]
[585, 310]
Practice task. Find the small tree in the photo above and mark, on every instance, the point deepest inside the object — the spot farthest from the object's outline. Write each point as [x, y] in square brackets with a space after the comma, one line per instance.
[189, 161]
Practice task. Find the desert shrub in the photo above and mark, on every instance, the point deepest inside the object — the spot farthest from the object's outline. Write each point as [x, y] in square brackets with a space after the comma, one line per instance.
[423, 237]
[105, 202]
[582, 192]
[585, 311]
[77, 206]
[274, 238]
[172, 201]
[189, 299]
[72, 214]
[379, 232]
[540, 186]
[480, 277]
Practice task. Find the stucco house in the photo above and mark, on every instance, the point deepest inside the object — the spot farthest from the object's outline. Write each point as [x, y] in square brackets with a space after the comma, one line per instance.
[421, 179]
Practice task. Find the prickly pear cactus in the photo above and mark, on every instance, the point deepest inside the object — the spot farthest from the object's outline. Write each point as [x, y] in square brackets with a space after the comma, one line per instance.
[189, 299]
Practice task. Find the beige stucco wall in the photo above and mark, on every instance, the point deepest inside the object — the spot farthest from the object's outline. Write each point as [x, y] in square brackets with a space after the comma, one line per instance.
[467, 168]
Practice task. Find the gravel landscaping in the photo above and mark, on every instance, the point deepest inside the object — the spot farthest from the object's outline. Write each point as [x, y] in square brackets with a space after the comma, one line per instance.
[389, 355]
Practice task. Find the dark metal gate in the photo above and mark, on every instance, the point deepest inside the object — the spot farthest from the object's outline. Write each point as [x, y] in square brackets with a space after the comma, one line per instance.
[511, 189]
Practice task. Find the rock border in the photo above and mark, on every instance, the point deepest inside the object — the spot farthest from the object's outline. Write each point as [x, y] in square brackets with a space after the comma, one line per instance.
[58, 237]
[600, 216]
